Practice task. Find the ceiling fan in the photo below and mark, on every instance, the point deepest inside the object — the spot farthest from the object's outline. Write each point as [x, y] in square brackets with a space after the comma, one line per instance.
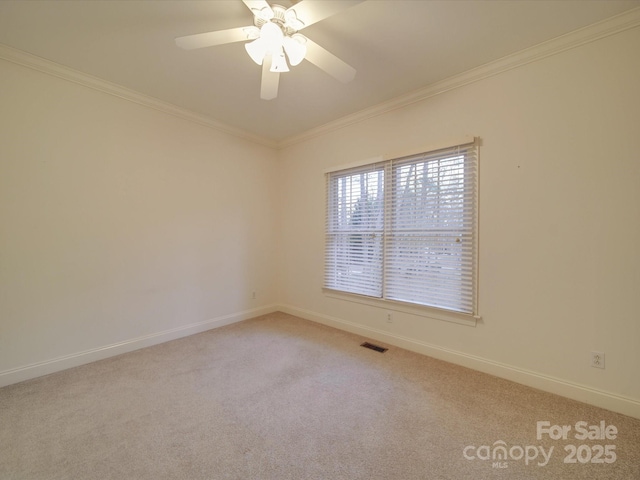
[273, 34]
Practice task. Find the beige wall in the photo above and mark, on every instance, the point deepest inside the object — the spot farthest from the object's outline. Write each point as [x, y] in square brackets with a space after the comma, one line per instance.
[559, 268]
[121, 226]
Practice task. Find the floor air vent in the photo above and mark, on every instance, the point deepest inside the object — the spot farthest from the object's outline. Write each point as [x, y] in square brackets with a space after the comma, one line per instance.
[377, 348]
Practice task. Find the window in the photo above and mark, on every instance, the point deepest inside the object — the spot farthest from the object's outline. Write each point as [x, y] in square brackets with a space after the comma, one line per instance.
[406, 229]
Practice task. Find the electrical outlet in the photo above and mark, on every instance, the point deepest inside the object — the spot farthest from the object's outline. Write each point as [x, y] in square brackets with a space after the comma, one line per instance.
[389, 318]
[253, 295]
[597, 359]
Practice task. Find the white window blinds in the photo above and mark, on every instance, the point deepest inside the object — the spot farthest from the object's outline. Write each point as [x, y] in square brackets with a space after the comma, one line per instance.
[355, 226]
[406, 229]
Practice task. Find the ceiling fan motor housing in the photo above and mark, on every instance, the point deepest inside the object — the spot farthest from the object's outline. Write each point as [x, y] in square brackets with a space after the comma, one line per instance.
[289, 23]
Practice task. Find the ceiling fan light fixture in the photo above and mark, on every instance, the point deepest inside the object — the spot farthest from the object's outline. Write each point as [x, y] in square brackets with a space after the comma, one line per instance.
[295, 47]
[269, 41]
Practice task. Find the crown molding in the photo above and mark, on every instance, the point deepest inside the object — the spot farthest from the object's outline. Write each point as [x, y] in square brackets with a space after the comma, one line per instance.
[611, 26]
[34, 62]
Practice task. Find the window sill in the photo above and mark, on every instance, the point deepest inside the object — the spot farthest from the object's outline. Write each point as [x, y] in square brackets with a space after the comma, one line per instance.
[418, 310]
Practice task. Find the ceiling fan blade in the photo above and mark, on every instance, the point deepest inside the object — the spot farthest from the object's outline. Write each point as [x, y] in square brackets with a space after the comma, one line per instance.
[270, 80]
[210, 39]
[310, 12]
[257, 6]
[329, 62]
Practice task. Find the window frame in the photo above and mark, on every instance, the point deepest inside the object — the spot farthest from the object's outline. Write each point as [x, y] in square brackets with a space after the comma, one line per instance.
[389, 164]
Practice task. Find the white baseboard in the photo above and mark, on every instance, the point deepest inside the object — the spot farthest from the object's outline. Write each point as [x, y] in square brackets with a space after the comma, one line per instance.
[28, 372]
[582, 393]
[592, 396]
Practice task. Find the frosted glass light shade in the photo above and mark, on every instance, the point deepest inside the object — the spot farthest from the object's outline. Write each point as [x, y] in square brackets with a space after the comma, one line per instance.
[296, 48]
[256, 50]
[278, 63]
[272, 36]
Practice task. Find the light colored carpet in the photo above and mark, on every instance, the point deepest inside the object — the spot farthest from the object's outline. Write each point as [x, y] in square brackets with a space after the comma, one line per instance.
[278, 397]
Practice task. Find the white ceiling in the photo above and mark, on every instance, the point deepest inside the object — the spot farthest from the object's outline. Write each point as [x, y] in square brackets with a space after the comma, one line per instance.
[396, 47]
